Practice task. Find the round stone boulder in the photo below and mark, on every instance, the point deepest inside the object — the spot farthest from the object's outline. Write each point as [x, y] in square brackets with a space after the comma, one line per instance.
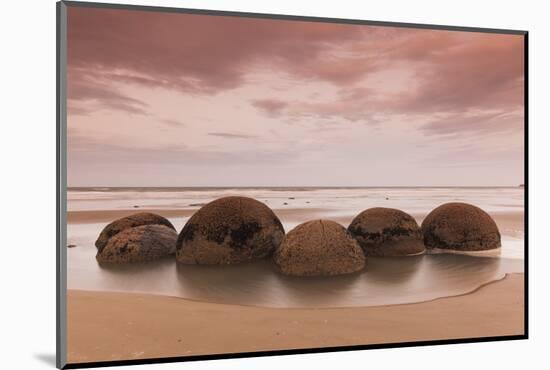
[461, 227]
[137, 219]
[229, 230]
[387, 232]
[318, 248]
[139, 244]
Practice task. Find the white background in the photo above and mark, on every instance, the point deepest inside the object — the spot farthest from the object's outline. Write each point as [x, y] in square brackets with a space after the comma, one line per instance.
[28, 182]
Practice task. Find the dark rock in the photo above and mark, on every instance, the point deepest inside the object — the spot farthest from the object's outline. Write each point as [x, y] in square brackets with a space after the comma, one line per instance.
[136, 206]
[229, 230]
[71, 245]
[285, 204]
[319, 247]
[139, 244]
[460, 226]
[387, 232]
[137, 219]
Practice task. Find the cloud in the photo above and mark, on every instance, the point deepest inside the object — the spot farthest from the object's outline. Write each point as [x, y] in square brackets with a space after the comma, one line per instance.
[482, 122]
[230, 135]
[472, 155]
[474, 81]
[87, 91]
[194, 53]
[485, 71]
[86, 149]
[172, 122]
[74, 109]
[272, 107]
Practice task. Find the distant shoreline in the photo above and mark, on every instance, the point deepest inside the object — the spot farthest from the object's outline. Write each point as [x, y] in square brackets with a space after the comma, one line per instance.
[284, 188]
[290, 213]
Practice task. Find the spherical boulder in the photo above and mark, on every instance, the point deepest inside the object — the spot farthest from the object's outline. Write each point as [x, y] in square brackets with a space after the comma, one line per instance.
[460, 226]
[387, 232]
[137, 219]
[317, 248]
[139, 244]
[229, 230]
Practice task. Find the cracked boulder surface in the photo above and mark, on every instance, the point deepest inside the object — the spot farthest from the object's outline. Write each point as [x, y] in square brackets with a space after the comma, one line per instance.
[461, 227]
[229, 230]
[137, 219]
[317, 248]
[387, 232]
[139, 244]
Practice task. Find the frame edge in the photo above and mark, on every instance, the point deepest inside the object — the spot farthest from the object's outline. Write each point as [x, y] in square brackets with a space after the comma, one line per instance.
[61, 184]
[291, 17]
[61, 195]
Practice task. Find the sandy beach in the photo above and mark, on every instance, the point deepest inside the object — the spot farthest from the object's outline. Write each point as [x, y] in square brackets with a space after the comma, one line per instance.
[114, 326]
[161, 309]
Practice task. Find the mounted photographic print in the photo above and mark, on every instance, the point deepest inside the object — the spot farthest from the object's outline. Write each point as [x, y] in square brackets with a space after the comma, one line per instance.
[235, 184]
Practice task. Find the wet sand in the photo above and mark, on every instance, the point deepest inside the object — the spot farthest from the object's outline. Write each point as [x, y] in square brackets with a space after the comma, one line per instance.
[95, 216]
[92, 216]
[114, 326]
[505, 220]
[384, 281]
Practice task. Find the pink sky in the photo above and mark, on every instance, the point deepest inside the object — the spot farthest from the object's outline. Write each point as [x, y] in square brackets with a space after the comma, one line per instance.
[167, 99]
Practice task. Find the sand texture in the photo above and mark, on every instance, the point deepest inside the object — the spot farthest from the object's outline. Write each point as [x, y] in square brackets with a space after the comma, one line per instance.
[114, 326]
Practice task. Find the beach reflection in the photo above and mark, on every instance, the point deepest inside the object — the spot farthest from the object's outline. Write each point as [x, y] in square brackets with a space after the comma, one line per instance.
[384, 281]
[136, 267]
[392, 270]
[247, 284]
[316, 291]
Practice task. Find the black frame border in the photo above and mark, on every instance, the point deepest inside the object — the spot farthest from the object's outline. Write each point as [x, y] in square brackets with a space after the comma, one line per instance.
[61, 186]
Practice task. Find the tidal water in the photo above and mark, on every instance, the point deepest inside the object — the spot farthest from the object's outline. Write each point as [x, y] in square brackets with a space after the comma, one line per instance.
[383, 281]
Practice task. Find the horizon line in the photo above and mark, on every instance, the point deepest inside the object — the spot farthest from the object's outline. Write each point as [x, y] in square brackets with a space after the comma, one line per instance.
[294, 186]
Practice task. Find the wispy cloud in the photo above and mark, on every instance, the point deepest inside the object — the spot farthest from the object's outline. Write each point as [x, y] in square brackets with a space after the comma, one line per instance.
[172, 122]
[228, 135]
[89, 91]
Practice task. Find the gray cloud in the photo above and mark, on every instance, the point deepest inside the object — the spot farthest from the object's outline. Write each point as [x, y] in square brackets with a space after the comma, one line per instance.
[272, 107]
[481, 122]
[172, 122]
